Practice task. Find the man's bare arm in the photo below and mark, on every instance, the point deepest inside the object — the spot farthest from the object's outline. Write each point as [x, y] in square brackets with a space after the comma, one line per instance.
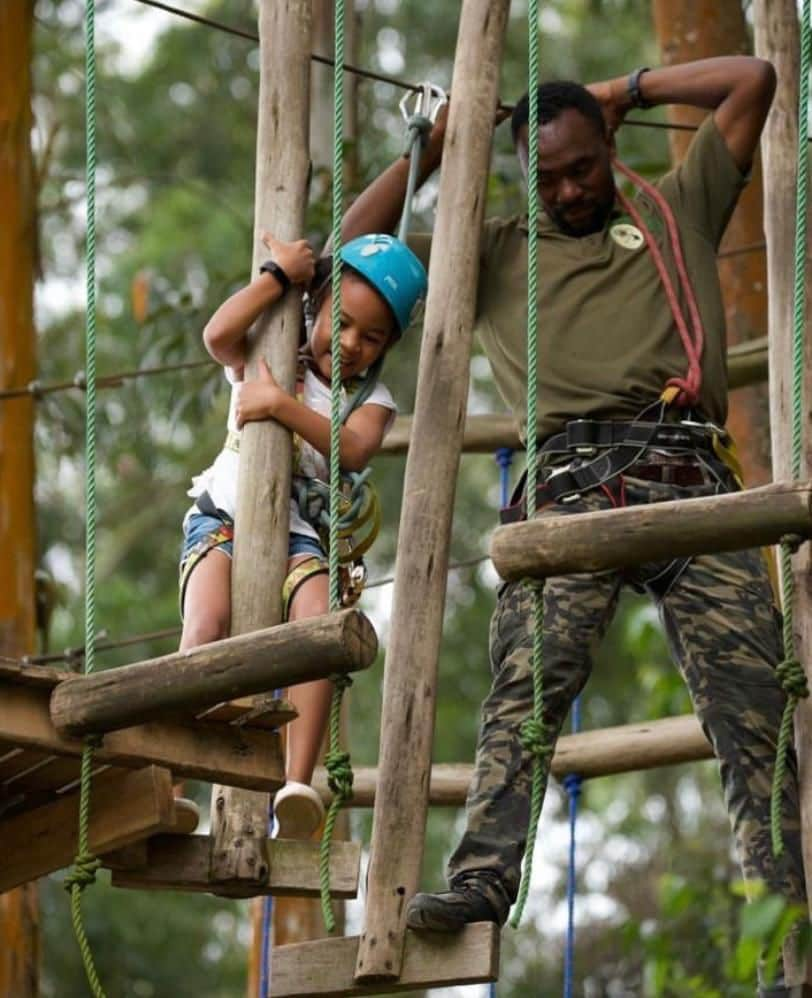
[379, 207]
[738, 89]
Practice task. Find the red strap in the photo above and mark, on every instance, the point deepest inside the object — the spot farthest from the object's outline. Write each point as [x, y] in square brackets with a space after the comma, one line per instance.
[693, 340]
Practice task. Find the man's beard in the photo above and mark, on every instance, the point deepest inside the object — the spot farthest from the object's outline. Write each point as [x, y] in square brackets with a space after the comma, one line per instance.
[586, 225]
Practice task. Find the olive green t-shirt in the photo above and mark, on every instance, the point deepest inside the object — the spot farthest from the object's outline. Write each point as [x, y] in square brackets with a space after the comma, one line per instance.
[607, 341]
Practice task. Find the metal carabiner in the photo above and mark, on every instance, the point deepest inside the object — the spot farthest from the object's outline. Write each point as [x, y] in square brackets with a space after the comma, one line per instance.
[427, 103]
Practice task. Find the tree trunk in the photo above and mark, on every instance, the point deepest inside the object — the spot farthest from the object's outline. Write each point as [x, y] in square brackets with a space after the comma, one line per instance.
[687, 30]
[19, 917]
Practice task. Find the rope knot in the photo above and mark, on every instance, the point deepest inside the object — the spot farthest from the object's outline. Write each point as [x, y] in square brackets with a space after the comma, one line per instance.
[532, 738]
[83, 872]
[792, 542]
[792, 678]
[341, 681]
[572, 784]
[339, 775]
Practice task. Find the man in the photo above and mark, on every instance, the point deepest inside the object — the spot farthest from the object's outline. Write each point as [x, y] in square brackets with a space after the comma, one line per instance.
[609, 344]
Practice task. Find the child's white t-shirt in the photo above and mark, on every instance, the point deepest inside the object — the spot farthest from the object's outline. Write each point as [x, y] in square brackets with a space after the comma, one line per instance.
[220, 480]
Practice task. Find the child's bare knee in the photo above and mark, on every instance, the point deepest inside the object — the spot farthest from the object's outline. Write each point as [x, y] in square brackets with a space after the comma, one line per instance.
[204, 630]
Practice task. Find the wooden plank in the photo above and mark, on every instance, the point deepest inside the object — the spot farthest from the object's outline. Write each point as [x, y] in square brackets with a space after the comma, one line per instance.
[124, 808]
[239, 818]
[430, 960]
[252, 712]
[248, 663]
[181, 863]
[410, 674]
[483, 434]
[609, 539]
[245, 756]
[625, 748]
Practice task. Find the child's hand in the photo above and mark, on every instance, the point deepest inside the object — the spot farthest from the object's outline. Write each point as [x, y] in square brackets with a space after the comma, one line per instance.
[296, 259]
[258, 399]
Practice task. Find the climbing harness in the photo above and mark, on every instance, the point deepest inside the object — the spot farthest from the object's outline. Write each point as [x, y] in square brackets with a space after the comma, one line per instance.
[599, 452]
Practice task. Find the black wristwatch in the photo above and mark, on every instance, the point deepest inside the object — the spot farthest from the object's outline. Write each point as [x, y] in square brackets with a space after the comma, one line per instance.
[633, 88]
[272, 267]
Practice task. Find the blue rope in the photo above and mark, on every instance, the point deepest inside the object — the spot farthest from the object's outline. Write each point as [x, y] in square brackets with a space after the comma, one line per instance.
[572, 784]
[504, 458]
[267, 922]
[265, 957]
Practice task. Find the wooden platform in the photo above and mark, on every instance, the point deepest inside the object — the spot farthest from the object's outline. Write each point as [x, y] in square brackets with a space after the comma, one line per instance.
[40, 837]
[133, 772]
[430, 960]
[235, 743]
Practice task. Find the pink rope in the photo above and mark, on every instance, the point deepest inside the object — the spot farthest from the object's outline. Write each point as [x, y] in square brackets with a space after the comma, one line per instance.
[693, 339]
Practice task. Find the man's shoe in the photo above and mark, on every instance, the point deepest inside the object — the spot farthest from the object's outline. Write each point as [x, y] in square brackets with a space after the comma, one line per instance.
[449, 911]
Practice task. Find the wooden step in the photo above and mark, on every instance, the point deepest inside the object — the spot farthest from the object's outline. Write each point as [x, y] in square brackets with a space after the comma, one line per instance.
[430, 960]
[635, 535]
[217, 751]
[246, 664]
[124, 808]
[181, 863]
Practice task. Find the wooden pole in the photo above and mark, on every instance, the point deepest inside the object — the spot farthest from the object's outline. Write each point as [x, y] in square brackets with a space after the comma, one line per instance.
[240, 817]
[407, 722]
[777, 39]
[298, 919]
[687, 30]
[635, 535]
[19, 910]
[256, 662]
[626, 748]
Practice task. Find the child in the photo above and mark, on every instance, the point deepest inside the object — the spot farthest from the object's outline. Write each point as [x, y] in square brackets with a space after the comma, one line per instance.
[381, 284]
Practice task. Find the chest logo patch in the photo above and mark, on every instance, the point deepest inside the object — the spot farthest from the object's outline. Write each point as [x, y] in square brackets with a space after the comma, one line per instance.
[626, 235]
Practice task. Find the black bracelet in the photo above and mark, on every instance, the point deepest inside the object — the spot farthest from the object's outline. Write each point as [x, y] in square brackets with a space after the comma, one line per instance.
[272, 267]
[633, 88]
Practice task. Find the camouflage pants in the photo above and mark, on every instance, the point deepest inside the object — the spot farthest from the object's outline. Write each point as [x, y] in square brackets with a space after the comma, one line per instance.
[724, 634]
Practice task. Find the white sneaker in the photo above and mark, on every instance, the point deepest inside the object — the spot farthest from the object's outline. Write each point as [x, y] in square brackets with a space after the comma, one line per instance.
[299, 811]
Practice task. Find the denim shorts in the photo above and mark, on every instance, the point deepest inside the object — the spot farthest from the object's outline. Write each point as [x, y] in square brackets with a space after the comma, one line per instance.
[203, 533]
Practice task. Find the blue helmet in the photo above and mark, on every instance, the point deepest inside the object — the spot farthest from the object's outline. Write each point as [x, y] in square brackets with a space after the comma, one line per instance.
[392, 269]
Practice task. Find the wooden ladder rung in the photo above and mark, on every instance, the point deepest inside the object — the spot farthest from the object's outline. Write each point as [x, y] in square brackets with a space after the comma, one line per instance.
[635, 535]
[247, 664]
[181, 863]
[430, 960]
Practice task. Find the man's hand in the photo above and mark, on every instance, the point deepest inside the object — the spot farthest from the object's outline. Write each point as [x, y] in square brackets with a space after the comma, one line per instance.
[614, 101]
[257, 399]
[296, 259]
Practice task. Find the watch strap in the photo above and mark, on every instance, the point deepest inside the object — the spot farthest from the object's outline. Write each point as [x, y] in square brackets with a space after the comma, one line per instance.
[272, 267]
[633, 88]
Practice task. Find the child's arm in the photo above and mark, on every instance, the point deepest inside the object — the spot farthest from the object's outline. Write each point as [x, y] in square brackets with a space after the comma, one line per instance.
[360, 436]
[224, 335]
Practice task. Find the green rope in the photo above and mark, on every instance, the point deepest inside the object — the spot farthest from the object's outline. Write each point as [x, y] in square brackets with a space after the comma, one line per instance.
[532, 731]
[337, 761]
[85, 864]
[790, 672]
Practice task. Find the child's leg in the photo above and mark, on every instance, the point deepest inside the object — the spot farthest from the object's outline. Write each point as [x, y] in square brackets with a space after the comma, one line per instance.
[312, 700]
[207, 601]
